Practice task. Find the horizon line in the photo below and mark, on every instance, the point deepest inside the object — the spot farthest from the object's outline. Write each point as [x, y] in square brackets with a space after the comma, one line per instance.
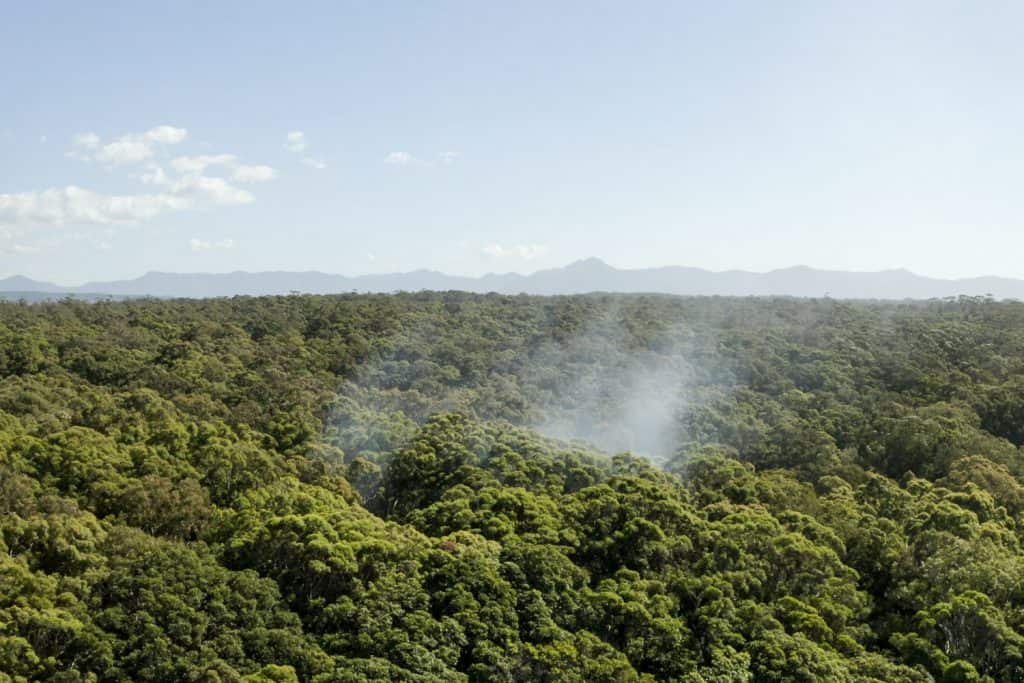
[576, 262]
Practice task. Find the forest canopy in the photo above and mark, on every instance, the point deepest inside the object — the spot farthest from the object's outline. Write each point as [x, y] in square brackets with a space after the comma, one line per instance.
[456, 487]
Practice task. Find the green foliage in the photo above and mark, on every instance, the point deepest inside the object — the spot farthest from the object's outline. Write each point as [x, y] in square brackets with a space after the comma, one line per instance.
[357, 488]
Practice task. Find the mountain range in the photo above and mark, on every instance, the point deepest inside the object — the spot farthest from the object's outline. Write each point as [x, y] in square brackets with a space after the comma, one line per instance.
[589, 275]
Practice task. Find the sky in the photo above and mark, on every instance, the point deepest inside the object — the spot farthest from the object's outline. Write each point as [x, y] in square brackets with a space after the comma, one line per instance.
[470, 137]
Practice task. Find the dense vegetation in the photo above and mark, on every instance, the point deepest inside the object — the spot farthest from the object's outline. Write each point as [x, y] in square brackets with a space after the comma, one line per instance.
[353, 488]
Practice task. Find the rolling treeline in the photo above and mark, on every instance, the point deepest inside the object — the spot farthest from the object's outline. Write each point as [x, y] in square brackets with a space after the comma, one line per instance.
[359, 488]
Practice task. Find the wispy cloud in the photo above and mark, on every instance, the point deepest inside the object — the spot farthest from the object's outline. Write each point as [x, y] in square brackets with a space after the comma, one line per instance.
[189, 182]
[253, 174]
[73, 204]
[11, 243]
[198, 164]
[402, 159]
[295, 141]
[206, 191]
[131, 148]
[196, 244]
[525, 252]
[407, 159]
[239, 172]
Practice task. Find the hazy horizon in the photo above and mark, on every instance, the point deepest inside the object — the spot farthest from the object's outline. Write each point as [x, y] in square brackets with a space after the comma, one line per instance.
[520, 272]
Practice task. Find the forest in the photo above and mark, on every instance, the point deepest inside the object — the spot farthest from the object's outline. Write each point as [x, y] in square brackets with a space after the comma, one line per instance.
[432, 487]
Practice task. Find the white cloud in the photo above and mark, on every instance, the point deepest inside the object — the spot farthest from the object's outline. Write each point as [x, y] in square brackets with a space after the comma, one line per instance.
[184, 183]
[201, 163]
[402, 159]
[241, 173]
[197, 244]
[295, 141]
[132, 148]
[253, 174]
[167, 135]
[208, 191]
[155, 176]
[56, 207]
[526, 252]
[121, 152]
[406, 159]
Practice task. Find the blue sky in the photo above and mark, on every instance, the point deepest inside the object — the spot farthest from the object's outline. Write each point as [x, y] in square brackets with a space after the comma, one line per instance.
[472, 137]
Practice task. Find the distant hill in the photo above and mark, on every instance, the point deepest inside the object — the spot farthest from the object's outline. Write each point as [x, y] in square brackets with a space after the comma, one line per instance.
[37, 296]
[589, 275]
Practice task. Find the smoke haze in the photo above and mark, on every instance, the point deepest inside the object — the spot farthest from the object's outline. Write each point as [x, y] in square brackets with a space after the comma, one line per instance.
[623, 393]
